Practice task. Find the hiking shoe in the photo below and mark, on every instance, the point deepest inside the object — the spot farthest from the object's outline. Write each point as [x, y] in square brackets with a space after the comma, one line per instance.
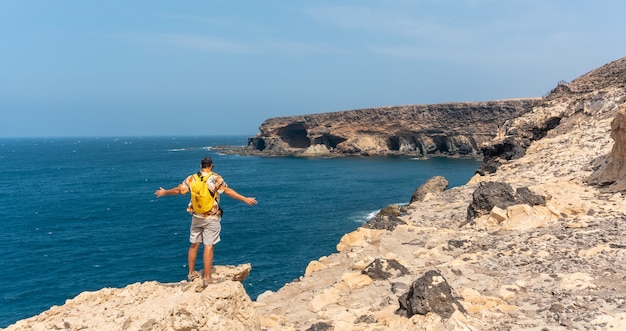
[193, 276]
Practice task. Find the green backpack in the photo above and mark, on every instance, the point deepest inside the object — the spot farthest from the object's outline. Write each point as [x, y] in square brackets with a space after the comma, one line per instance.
[202, 199]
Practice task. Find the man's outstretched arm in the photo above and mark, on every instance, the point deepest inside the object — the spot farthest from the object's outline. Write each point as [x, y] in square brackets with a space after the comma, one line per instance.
[163, 192]
[233, 194]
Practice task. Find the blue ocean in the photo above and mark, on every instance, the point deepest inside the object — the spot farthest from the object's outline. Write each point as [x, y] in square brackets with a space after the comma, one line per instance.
[79, 214]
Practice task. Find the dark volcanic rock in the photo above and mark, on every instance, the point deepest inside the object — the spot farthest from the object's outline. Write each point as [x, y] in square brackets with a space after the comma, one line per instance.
[320, 326]
[367, 319]
[385, 269]
[502, 195]
[526, 196]
[429, 293]
[513, 148]
[386, 219]
[508, 149]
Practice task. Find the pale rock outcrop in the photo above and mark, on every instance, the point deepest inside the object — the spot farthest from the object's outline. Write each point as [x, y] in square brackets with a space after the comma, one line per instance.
[613, 173]
[156, 306]
[316, 150]
[597, 93]
[433, 185]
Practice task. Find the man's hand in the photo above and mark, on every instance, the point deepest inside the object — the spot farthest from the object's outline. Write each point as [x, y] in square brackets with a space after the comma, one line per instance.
[250, 201]
[160, 192]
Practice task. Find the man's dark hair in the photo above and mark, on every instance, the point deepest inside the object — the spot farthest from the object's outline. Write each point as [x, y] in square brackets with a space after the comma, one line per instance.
[206, 162]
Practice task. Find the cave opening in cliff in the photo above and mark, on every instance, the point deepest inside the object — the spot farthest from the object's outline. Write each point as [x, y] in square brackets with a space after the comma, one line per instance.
[294, 135]
[328, 140]
[549, 124]
[257, 143]
[393, 143]
[441, 144]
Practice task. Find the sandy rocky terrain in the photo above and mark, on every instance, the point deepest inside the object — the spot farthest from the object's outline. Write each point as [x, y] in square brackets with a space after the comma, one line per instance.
[534, 242]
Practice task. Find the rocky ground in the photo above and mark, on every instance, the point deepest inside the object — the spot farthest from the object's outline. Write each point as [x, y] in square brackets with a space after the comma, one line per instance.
[534, 243]
[561, 273]
[557, 266]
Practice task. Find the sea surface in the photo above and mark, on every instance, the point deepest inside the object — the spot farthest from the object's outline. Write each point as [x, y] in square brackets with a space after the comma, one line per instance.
[79, 214]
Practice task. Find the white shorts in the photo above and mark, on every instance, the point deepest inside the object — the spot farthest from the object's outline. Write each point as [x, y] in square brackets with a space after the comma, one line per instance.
[205, 230]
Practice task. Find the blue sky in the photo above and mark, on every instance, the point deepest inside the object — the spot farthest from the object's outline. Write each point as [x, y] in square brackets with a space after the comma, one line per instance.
[164, 68]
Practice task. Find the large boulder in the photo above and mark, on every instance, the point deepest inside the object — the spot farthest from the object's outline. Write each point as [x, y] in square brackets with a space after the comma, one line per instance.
[235, 273]
[499, 194]
[429, 294]
[611, 174]
[386, 219]
[433, 185]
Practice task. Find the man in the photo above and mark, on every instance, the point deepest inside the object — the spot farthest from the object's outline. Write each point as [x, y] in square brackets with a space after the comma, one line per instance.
[205, 227]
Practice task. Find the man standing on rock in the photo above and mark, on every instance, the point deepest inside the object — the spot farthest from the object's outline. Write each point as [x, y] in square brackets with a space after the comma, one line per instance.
[205, 227]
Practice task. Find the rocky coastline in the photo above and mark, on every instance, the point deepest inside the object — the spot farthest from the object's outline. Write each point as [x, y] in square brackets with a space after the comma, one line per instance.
[451, 130]
[534, 241]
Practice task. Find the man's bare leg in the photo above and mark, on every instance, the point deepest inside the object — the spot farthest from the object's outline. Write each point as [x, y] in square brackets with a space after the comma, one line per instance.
[207, 259]
[192, 254]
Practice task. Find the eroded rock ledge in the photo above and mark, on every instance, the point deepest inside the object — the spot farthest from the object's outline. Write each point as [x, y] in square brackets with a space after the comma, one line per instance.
[451, 129]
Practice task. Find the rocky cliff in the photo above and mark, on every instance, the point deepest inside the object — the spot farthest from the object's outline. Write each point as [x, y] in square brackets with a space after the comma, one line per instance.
[535, 242]
[595, 93]
[453, 129]
[156, 306]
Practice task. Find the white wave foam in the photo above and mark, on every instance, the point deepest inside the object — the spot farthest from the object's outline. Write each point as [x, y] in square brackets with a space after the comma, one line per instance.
[364, 216]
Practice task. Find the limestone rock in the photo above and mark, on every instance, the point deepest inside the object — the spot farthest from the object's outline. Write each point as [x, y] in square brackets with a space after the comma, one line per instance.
[156, 306]
[518, 217]
[353, 280]
[596, 93]
[613, 173]
[434, 184]
[359, 238]
[316, 150]
[235, 273]
[151, 306]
